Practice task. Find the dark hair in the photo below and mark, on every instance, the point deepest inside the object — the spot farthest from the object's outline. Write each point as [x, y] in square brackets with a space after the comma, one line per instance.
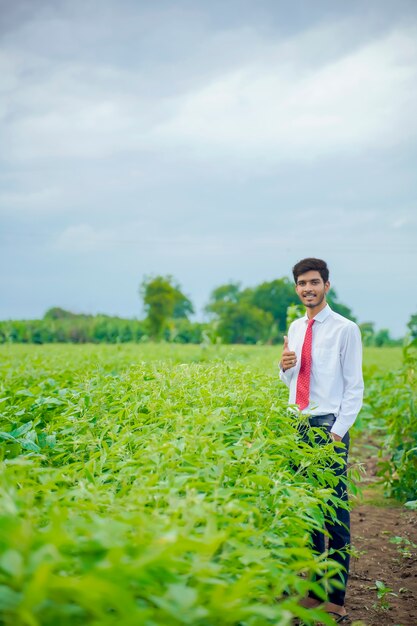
[307, 265]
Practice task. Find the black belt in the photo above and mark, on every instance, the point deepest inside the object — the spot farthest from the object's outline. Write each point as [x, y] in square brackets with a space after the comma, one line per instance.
[322, 420]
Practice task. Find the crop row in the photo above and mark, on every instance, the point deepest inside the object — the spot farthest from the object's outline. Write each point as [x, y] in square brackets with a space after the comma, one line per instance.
[153, 492]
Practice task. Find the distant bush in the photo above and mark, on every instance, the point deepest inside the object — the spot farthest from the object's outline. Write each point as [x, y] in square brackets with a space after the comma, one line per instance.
[184, 331]
[378, 339]
[74, 329]
[59, 326]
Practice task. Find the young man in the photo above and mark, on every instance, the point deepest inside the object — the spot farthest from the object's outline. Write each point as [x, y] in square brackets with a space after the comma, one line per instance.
[322, 366]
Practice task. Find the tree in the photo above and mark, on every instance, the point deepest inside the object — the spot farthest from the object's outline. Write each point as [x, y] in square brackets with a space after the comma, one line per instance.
[383, 338]
[222, 296]
[272, 298]
[229, 304]
[183, 307]
[56, 313]
[337, 306]
[163, 300]
[368, 333]
[275, 297]
[412, 325]
[243, 323]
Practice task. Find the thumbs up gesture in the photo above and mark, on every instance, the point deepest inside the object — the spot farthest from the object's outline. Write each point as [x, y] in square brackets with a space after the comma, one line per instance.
[288, 358]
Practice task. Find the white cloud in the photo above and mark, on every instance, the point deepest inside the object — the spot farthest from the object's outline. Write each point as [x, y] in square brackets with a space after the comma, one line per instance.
[86, 237]
[83, 238]
[364, 99]
[405, 221]
[72, 110]
[189, 140]
[43, 200]
[288, 103]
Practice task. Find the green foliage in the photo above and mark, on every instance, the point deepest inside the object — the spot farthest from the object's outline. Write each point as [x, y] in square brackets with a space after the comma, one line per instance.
[73, 329]
[368, 333]
[412, 326]
[259, 314]
[294, 312]
[391, 408]
[382, 591]
[406, 548]
[382, 338]
[223, 296]
[163, 300]
[183, 331]
[379, 339]
[142, 491]
[56, 313]
[243, 323]
[237, 319]
[275, 297]
[338, 307]
[252, 315]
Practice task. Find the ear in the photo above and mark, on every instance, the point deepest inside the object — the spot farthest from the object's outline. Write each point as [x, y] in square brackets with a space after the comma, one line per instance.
[326, 286]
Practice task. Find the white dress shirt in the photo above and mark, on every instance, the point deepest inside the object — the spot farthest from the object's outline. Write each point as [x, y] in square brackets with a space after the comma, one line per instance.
[336, 384]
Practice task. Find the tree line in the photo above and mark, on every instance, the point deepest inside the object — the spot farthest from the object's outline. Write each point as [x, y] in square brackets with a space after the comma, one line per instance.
[250, 315]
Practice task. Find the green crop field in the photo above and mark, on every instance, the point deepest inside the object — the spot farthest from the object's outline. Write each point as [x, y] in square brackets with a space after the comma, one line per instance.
[163, 484]
[264, 357]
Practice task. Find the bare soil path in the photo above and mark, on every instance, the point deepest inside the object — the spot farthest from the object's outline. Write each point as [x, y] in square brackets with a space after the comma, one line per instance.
[384, 538]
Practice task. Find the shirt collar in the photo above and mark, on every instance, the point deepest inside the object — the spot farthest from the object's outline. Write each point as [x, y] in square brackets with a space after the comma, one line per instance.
[321, 316]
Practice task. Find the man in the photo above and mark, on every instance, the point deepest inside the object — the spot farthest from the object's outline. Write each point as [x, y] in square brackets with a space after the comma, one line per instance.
[322, 366]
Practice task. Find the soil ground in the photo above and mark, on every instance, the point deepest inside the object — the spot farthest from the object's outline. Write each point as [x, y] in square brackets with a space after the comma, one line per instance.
[375, 522]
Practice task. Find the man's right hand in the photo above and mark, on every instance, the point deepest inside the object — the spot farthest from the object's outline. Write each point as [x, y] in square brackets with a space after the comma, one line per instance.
[288, 358]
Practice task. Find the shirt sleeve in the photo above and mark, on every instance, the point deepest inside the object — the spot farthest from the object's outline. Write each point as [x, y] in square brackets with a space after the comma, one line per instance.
[285, 376]
[351, 361]
[288, 374]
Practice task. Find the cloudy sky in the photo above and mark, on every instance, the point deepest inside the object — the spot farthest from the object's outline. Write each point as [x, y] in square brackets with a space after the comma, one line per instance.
[213, 141]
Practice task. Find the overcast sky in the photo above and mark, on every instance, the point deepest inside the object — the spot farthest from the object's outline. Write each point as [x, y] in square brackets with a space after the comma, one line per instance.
[213, 141]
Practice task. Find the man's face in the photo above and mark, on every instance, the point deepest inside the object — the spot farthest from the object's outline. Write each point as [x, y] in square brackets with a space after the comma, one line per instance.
[311, 289]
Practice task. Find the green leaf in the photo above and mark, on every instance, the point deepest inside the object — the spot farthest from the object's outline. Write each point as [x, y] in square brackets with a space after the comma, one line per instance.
[7, 436]
[24, 392]
[9, 599]
[27, 444]
[12, 563]
[182, 595]
[21, 430]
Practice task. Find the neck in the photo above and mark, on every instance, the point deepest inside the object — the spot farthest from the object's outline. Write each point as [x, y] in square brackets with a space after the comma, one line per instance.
[313, 312]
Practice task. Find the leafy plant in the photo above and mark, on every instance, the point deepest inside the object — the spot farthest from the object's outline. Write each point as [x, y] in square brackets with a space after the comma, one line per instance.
[405, 547]
[391, 407]
[382, 591]
[154, 485]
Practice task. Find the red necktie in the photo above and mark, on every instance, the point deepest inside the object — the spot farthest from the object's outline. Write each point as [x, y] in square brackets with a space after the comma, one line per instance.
[302, 397]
